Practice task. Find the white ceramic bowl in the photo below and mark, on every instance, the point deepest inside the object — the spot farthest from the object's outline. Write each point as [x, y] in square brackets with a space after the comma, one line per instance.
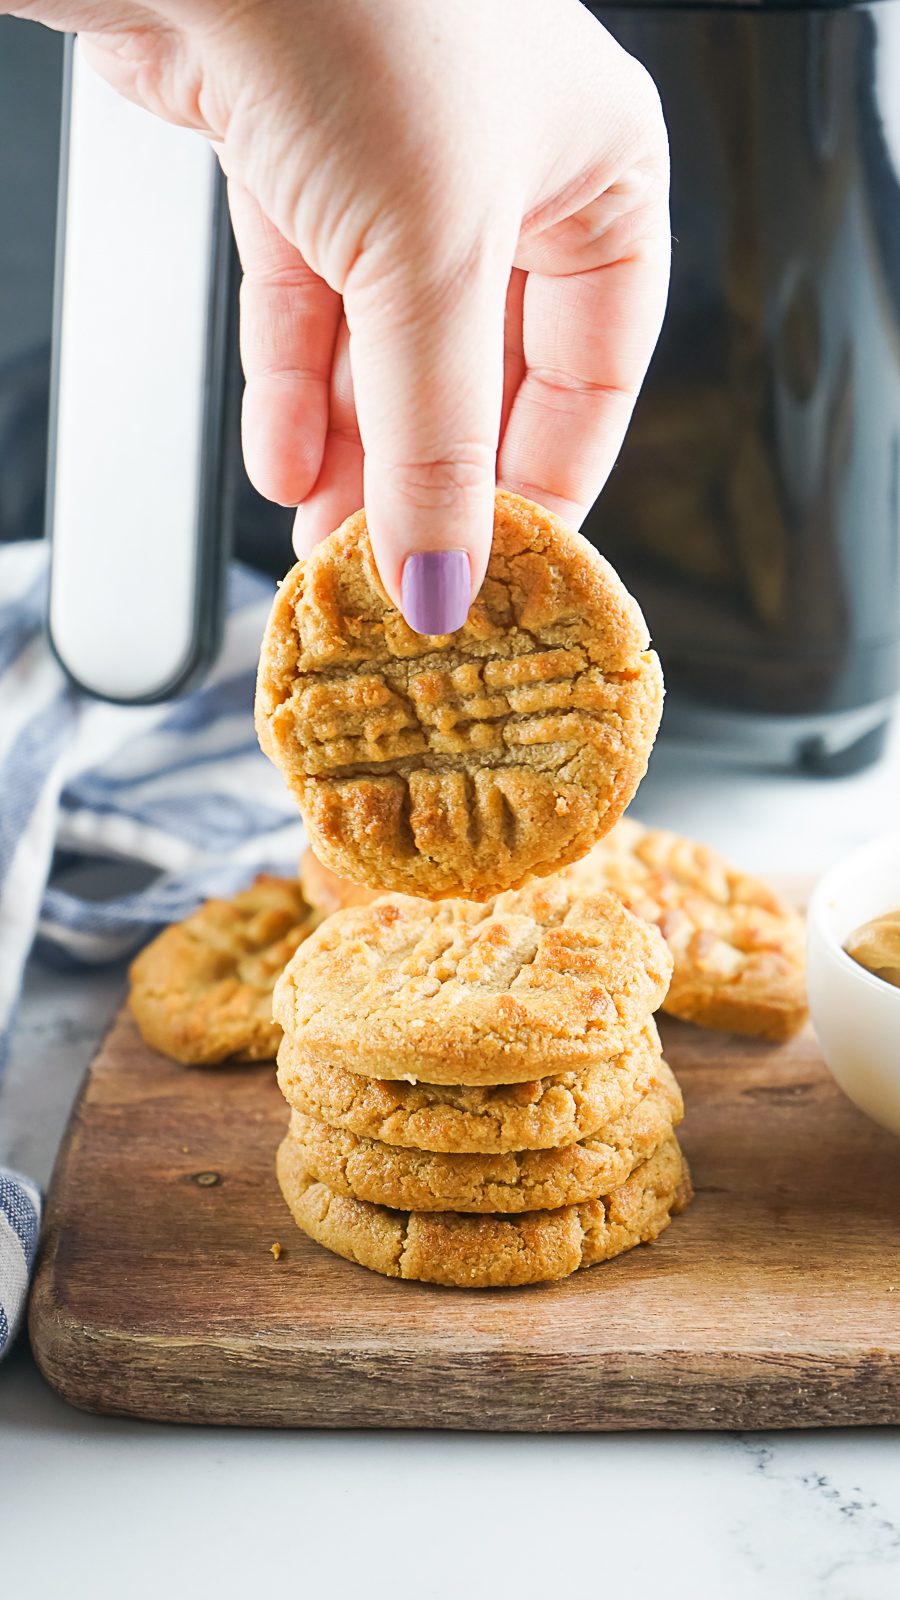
[856, 1015]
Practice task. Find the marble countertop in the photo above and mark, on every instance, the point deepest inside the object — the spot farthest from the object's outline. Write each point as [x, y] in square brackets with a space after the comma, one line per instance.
[106, 1508]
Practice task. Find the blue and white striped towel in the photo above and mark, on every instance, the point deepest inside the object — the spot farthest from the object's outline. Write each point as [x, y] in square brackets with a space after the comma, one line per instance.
[20, 1226]
[181, 787]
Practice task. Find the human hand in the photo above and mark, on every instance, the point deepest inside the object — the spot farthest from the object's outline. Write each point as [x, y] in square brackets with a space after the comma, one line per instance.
[453, 225]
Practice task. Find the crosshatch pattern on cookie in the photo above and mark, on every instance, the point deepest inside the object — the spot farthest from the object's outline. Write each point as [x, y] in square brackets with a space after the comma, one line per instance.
[534, 982]
[459, 764]
[738, 947]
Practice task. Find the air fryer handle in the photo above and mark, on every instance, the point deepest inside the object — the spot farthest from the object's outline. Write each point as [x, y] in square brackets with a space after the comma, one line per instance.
[143, 286]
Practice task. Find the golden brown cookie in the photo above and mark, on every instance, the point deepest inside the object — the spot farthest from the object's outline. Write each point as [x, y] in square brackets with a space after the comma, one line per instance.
[456, 1118]
[201, 992]
[520, 1180]
[484, 1252]
[459, 764]
[538, 981]
[326, 892]
[738, 947]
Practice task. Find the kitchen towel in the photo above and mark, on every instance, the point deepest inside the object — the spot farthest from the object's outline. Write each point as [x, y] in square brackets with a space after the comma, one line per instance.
[20, 1226]
[181, 788]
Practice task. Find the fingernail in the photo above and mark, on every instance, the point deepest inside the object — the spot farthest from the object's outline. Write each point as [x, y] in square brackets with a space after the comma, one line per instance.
[436, 590]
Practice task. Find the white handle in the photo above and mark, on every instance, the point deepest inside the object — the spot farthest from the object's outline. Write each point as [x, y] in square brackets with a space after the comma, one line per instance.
[131, 374]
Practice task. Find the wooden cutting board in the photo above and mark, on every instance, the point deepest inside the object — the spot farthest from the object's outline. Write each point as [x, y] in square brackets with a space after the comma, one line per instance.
[774, 1301]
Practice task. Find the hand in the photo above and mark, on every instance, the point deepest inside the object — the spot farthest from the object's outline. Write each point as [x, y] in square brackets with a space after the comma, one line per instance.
[453, 225]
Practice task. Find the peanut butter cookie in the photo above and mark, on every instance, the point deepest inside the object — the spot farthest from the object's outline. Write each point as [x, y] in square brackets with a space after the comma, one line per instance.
[201, 992]
[520, 1180]
[324, 890]
[455, 1118]
[459, 764]
[738, 947]
[484, 1252]
[538, 981]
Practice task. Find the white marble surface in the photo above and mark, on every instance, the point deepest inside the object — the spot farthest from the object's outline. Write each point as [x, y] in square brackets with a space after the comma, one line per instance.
[103, 1508]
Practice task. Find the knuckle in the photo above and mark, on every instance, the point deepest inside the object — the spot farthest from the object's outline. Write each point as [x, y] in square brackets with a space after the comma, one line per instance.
[647, 107]
[440, 483]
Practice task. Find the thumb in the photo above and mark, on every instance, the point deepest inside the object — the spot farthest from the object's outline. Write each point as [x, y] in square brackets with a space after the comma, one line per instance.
[426, 353]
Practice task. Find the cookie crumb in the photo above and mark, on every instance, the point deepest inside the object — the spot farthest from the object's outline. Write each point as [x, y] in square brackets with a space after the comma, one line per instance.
[185, 1149]
[276, 1250]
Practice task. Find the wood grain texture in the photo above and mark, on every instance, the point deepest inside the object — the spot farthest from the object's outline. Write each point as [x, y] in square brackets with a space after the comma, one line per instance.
[774, 1301]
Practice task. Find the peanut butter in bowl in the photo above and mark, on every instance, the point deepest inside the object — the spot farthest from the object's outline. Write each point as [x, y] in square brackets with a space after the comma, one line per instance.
[853, 976]
[876, 946]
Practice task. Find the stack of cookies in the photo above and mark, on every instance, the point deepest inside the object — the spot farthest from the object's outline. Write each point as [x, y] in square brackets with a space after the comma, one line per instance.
[477, 1091]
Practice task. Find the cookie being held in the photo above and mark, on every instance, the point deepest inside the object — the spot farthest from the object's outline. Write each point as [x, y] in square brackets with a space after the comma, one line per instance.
[461, 764]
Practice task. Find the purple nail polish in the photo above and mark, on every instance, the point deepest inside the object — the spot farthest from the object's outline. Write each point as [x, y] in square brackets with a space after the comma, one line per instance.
[436, 590]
